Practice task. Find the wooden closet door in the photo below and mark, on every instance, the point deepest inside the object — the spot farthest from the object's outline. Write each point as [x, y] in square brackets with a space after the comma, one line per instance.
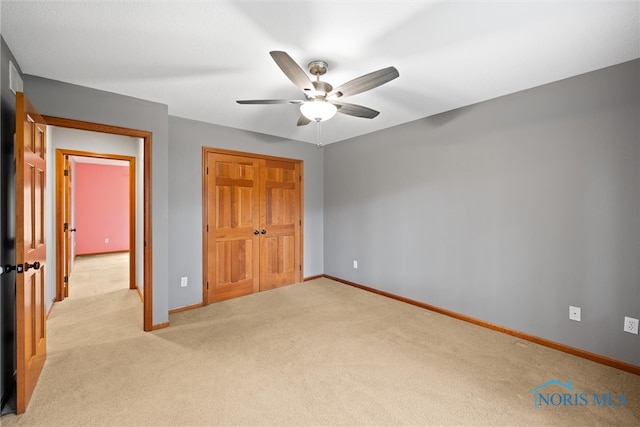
[280, 222]
[252, 219]
[233, 226]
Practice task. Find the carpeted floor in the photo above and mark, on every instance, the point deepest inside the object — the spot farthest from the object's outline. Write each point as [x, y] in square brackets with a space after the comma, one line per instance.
[316, 353]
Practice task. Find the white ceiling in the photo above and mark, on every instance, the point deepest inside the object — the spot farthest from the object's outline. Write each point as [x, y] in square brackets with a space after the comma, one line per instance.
[198, 57]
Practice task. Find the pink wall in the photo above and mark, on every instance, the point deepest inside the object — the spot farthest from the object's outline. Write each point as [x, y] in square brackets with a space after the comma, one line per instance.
[102, 208]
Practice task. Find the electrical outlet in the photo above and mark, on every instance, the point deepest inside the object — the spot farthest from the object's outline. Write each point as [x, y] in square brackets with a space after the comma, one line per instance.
[631, 325]
[574, 313]
[106, 240]
[183, 282]
[355, 264]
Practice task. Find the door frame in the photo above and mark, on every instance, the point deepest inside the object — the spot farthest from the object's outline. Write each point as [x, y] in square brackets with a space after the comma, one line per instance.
[146, 136]
[61, 190]
[205, 189]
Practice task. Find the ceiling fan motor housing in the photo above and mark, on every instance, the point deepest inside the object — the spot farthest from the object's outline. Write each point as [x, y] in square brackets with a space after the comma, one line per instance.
[322, 88]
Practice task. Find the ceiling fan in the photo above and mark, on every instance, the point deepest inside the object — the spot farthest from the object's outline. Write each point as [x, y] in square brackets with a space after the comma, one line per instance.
[321, 99]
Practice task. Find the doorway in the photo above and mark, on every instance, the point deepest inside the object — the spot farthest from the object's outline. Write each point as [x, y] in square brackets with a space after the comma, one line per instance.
[106, 193]
[144, 222]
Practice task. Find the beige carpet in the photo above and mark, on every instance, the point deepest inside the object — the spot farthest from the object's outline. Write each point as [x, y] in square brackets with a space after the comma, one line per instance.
[316, 353]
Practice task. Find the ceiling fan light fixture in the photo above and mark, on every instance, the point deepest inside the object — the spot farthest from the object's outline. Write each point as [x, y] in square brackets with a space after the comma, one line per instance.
[318, 110]
[321, 99]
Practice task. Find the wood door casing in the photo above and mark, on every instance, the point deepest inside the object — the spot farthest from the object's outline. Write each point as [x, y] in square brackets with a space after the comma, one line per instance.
[63, 203]
[147, 243]
[31, 249]
[252, 223]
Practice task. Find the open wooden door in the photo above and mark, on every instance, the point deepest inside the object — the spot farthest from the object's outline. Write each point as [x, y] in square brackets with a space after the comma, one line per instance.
[31, 253]
[63, 227]
[67, 228]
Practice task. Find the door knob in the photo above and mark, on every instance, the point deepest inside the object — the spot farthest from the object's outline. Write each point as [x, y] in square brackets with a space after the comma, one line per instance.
[72, 230]
[35, 266]
[256, 232]
[8, 268]
[263, 231]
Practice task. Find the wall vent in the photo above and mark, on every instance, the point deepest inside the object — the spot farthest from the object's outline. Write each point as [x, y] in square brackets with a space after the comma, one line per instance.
[15, 81]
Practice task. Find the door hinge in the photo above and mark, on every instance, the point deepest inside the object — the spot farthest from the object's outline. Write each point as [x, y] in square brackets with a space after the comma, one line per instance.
[66, 226]
[300, 222]
[207, 170]
[66, 172]
[207, 228]
[207, 285]
[66, 279]
[300, 267]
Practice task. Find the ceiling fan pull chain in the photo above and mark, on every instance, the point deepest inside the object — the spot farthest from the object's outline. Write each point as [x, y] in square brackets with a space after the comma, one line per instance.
[318, 139]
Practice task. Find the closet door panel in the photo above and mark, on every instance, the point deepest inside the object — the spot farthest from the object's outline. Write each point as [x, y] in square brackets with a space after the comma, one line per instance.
[280, 219]
[234, 194]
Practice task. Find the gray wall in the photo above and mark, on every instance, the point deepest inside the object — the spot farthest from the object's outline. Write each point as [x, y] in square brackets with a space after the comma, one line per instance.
[7, 226]
[177, 179]
[507, 211]
[185, 193]
[60, 99]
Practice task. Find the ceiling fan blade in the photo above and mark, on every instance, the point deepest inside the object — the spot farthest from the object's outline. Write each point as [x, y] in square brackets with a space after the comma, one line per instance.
[356, 110]
[303, 121]
[292, 70]
[364, 83]
[270, 101]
